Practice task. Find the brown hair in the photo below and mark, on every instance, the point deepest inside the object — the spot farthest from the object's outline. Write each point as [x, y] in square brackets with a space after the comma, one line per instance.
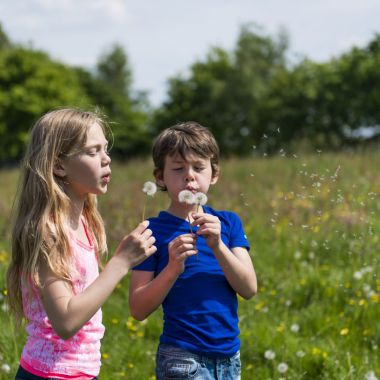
[183, 138]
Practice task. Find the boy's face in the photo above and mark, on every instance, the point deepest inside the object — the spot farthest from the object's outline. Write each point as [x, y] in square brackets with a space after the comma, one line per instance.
[194, 174]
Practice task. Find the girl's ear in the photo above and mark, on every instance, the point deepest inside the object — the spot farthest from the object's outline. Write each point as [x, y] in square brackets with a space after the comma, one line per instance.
[59, 170]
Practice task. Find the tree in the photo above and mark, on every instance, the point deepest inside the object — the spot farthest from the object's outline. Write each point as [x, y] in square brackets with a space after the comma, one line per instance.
[110, 90]
[225, 91]
[113, 68]
[30, 85]
[4, 40]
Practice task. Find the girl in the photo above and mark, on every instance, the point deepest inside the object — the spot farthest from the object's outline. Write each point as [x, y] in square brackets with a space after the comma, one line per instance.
[58, 237]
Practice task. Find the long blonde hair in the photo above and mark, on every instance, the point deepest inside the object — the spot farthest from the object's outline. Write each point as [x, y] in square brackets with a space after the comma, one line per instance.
[42, 206]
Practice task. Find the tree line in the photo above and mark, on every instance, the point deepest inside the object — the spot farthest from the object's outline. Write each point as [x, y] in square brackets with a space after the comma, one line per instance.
[254, 98]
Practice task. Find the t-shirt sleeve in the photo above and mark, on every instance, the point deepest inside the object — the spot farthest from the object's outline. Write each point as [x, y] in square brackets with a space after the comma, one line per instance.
[238, 238]
[149, 265]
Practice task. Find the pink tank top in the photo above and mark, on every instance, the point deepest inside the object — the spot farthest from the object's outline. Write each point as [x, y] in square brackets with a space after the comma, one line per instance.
[45, 353]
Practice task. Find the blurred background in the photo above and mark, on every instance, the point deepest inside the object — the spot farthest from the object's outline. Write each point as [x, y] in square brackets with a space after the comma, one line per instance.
[261, 75]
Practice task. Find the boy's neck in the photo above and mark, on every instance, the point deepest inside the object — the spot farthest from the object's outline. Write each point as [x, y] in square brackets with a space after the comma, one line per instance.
[184, 211]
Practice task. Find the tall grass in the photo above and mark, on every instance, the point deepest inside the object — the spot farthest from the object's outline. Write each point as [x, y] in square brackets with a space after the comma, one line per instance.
[314, 228]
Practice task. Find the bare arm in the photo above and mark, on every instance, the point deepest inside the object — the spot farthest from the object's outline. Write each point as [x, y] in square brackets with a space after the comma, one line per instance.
[238, 269]
[68, 312]
[236, 263]
[147, 293]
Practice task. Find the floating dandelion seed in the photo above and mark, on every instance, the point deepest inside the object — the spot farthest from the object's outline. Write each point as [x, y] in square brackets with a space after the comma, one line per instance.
[149, 188]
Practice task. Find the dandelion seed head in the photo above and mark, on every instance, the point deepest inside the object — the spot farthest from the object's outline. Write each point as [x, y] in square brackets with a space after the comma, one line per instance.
[269, 354]
[6, 368]
[370, 376]
[295, 328]
[200, 198]
[186, 196]
[149, 188]
[282, 367]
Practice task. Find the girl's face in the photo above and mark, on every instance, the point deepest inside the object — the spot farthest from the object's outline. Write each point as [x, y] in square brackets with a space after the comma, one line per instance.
[194, 174]
[88, 171]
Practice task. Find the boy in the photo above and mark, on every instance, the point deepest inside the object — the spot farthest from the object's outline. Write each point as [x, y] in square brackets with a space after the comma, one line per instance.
[202, 261]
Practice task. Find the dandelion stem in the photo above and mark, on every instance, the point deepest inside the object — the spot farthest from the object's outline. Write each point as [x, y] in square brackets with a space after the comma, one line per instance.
[349, 366]
[143, 212]
[188, 218]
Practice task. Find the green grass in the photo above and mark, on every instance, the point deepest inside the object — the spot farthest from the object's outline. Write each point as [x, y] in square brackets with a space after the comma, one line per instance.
[314, 228]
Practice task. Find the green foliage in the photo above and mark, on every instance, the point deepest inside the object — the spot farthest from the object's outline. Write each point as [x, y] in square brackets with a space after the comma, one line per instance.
[30, 85]
[246, 97]
[312, 222]
[127, 117]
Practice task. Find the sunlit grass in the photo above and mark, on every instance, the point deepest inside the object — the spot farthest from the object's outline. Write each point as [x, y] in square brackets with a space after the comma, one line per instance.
[314, 228]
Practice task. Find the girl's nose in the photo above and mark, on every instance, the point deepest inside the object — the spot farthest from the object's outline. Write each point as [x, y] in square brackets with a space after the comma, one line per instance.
[106, 159]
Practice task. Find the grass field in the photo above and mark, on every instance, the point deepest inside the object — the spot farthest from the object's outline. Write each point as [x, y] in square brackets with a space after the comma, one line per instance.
[313, 222]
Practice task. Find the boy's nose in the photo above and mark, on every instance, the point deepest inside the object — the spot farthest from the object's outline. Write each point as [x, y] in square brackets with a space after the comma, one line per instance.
[189, 176]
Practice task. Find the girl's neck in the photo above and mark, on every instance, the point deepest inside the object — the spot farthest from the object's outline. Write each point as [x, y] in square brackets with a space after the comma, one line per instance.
[75, 215]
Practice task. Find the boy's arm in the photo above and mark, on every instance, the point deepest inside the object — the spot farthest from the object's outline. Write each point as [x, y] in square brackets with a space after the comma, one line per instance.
[235, 263]
[146, 292]
[238, 269]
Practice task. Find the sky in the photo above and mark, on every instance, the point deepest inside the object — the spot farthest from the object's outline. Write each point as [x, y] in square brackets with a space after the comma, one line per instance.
[162, 38]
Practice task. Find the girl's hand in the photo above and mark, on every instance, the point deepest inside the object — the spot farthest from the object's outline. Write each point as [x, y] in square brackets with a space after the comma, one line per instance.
[137, 246]
[180, 249]
[209, 228]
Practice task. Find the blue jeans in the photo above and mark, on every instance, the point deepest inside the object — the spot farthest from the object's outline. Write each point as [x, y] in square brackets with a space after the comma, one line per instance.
[176, 363]
[23, 374]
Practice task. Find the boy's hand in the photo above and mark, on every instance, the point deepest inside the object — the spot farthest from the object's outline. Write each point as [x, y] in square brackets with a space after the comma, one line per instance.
[209, 228]
[180, 249]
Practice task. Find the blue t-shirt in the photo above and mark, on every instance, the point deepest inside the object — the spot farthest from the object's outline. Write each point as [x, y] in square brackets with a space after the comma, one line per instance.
[200, 311]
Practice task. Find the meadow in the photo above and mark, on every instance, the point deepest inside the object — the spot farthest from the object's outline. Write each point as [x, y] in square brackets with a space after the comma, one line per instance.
[313, 222]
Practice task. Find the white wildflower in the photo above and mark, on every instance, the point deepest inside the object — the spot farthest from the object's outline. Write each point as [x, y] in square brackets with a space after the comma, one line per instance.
[200, 198]
[295, 328]
[149, 188]
[282, 367]
[269, 354]
[186, 196]
[358, 275]
[370, 376]
[5, 368]
[297, 255]
[300, 354]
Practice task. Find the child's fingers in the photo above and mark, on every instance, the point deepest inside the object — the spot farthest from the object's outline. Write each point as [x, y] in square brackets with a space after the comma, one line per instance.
[141, 227]
[151, 250]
